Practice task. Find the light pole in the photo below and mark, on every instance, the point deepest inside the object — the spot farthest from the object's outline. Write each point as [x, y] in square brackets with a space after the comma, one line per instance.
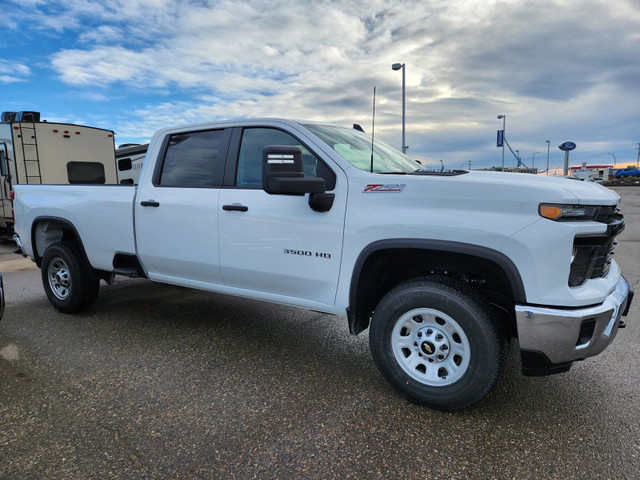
[504, 121]
[442, 165]
[518, 157]
[614, 159]
[548, 149]
[533, 160]
[398, 66]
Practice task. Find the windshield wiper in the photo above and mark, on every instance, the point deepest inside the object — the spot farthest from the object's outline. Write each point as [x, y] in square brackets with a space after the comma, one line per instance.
[393, 173]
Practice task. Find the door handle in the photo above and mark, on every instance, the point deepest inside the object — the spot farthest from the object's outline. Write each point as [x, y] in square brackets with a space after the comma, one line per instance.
[236, 207]
[150, 203]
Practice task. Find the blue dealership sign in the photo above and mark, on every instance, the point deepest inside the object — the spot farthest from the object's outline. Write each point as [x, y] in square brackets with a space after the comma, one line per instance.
[567, 146]
[500, 141]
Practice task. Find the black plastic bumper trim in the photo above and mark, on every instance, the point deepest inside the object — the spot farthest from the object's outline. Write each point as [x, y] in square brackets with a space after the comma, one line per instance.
[537, 364]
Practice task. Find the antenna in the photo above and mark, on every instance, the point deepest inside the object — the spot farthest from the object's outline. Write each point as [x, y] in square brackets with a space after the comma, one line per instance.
[373, 125]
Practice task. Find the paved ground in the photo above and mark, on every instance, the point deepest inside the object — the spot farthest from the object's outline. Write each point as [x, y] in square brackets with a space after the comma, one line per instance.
[164, 382]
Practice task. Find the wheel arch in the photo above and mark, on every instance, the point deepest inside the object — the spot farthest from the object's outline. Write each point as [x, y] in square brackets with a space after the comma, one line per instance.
[385, 263]
[47, 230]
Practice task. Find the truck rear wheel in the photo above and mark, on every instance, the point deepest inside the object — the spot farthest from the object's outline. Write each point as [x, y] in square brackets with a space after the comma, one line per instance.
[435, 341]
[69, 281]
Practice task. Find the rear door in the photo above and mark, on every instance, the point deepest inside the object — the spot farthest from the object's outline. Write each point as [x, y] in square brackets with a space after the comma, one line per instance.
[177, 212]
[276, 243]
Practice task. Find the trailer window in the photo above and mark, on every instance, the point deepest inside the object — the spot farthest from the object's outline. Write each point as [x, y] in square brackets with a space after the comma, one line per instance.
[85, 172]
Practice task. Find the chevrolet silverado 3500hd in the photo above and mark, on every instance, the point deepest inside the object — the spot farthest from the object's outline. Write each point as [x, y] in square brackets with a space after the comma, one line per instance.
[442, 267]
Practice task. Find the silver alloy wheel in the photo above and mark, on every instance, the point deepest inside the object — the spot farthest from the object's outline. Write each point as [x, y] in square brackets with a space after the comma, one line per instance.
[59, 278]
[431, 347]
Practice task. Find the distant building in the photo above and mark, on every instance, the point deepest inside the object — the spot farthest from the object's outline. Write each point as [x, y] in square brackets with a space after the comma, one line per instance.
[586, 172]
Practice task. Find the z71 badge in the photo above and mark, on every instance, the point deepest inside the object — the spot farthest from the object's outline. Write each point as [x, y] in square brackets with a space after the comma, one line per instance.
[384, 187]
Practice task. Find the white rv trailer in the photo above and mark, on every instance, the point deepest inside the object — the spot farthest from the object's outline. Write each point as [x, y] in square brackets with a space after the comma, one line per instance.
[129, 158]
[40, 152]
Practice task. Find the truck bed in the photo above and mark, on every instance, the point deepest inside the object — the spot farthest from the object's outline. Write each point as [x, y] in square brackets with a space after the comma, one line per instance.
[102, 215]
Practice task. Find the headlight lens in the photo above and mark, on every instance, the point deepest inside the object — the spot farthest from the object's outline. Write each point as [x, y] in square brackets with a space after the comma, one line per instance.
[568, 213]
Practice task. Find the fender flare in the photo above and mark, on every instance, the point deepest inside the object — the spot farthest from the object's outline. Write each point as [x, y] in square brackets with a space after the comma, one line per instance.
[37, 256]
[502, 261]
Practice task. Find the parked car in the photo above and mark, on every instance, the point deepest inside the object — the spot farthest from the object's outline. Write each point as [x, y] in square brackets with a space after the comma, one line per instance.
[627, 172]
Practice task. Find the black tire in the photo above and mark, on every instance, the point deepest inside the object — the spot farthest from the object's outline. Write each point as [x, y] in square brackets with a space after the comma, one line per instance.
[406, 346]
[69, 281]
[622, 177]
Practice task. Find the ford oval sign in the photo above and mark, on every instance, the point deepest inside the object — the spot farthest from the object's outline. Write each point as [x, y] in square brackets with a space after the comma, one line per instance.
[567, 146]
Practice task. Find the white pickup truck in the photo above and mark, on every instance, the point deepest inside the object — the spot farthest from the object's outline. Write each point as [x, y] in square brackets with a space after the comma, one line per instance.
[442, 267]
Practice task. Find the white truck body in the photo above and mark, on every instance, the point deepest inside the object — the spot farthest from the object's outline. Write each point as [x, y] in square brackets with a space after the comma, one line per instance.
[281, 250]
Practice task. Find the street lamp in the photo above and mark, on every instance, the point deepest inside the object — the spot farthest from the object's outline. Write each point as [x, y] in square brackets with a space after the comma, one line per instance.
[614, 159]
[548, 149]
[398, 66]
[533, 160]
[504, 121]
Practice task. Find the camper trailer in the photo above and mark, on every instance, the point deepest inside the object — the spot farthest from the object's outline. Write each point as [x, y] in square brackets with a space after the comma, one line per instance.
[129, 157]
[41, 152]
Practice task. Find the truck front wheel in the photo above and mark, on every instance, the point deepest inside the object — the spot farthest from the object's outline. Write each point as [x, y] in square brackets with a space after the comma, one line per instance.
[435, 341]
[69, 281]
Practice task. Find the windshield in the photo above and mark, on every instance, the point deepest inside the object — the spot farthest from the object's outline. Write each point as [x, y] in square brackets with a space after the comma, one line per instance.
[355, 147]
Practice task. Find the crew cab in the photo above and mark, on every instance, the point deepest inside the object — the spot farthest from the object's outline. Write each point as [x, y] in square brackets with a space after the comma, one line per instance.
[442, 267]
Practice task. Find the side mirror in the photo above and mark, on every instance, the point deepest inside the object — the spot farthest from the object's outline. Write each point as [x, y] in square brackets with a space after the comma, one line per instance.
[283, 174]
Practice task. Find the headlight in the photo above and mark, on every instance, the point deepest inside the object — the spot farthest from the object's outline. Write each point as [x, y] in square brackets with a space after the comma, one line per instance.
[568, 213]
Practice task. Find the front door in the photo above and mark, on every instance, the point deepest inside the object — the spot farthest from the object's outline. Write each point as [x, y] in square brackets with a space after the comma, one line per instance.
[276, 243]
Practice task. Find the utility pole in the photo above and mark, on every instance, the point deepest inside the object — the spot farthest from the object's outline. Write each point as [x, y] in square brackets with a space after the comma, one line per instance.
[638, 157]
[469, 164]
[504, 138]
[548, 149]
[398, 66]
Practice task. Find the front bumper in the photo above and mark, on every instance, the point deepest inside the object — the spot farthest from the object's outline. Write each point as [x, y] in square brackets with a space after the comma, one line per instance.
[551, 339]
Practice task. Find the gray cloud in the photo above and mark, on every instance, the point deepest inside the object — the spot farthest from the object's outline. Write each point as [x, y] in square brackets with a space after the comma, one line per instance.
[559, 69]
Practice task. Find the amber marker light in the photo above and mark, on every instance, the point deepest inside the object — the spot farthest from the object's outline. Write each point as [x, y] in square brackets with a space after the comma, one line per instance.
[550, 211]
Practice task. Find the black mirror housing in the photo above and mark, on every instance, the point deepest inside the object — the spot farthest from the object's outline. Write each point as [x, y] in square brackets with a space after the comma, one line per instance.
[283, 174]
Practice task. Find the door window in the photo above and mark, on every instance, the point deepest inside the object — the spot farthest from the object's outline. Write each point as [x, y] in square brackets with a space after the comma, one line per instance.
[191, 159]
[249, 172]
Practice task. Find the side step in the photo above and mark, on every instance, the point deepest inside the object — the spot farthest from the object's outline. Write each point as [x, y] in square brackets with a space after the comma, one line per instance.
[127, 264]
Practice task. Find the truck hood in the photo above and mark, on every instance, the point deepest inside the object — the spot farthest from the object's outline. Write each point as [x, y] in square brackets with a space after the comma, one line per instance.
[519, 187]
[585, 193]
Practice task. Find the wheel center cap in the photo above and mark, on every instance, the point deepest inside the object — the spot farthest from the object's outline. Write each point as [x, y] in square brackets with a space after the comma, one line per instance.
[428, 348]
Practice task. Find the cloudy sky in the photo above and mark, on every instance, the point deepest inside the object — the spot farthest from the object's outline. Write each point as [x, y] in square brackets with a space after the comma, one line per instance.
[559, 69]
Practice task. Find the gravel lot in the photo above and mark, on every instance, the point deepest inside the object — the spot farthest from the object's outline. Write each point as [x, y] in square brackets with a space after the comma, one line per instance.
[164, 382]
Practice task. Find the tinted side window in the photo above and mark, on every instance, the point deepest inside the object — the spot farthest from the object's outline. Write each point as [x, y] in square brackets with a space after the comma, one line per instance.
[191, 158]
[85, 172]
[249, 173]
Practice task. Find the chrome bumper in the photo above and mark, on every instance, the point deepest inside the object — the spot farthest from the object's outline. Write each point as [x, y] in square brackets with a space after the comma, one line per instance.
[20, 249]
[565, 335]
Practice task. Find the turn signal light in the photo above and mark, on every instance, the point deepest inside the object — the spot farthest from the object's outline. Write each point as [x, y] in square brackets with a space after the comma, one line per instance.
[550, 211]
